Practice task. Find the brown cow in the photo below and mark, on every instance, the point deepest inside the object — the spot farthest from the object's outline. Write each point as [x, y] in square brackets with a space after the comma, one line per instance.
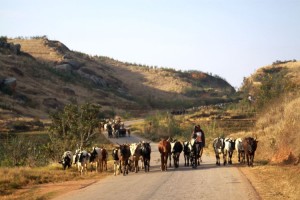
[124, 154]
[250, 145]
[104, 159]
[164, 147]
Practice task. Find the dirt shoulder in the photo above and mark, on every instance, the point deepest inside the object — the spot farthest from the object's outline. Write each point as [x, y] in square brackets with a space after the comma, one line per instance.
[274, 181]
[50, 190]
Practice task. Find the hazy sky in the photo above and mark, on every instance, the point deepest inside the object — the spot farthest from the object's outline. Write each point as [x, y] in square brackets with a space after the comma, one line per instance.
[228, 38]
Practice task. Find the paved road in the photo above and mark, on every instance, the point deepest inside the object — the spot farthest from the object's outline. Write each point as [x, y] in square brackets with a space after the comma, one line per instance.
[206, 182]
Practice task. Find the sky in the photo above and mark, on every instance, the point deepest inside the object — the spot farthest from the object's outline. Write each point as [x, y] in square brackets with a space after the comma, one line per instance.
[228, 38]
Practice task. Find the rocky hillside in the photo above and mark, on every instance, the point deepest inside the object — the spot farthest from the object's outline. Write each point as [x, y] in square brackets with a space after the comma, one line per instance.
[39, 76]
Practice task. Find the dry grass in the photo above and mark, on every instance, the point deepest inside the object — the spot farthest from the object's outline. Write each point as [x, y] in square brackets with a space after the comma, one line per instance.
[275, 176]
[26, 183]
[277, 129]
[274, 182]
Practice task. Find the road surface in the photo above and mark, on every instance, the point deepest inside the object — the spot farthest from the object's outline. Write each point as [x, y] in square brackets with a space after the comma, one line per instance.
[208, 181]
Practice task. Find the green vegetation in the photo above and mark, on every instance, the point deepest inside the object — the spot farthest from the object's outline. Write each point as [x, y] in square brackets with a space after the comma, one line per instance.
[73, 127]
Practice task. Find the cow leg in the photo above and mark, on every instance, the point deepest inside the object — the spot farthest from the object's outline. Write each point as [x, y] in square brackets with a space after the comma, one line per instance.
[166, 162]
[248, 162]
[170, 160]
[123, 168]
[115, 168]
[224, 157]
[217, 159]
[162, 162]
[230, 157]
[136, 165]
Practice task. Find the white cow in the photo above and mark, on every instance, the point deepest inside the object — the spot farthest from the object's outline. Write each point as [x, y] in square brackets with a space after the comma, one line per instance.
[240, 150]
[136, 155]
[82, 159]
[228, 149]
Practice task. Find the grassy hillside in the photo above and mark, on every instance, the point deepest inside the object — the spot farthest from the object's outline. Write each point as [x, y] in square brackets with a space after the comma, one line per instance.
[49, 76]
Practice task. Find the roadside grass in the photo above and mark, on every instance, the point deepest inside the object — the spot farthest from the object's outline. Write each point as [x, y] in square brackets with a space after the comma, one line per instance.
[13, 180]
[274, 181]
[16, 180]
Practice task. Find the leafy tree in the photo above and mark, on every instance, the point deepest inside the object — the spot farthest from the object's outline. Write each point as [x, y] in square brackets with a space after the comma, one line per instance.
[75, 125]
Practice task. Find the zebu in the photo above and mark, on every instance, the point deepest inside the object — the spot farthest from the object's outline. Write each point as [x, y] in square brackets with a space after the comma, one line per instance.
[229, 146]
[104, 159]
[164, 148]
[218, 145]
[96, 157]
[67, 159]
[115, 130]
[240, 150]
[187, 148]
[195, 153]
[136, 153]
[146, 154]
[124, 154]
[250, 145]
[109, 129]
[82, 159]
[115, 155]
[176, 149]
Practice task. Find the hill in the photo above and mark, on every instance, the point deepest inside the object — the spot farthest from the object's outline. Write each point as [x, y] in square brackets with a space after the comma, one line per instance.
[48, 75]
[276, 98]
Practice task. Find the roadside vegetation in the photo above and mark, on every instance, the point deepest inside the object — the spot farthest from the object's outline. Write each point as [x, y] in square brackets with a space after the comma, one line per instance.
[31, 158]
[267, 106]
[269, 109]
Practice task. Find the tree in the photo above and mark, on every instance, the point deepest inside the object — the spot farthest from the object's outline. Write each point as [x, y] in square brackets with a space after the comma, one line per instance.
[73, 126]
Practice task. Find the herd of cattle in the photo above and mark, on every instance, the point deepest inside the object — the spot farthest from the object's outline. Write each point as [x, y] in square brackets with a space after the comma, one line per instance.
[115, 129]
[126, 157]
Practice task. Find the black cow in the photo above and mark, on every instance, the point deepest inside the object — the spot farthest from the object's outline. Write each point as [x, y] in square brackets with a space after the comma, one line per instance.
[187, 148]
[66, 160]
[176, 149]
[146, 154]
